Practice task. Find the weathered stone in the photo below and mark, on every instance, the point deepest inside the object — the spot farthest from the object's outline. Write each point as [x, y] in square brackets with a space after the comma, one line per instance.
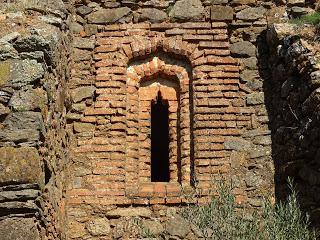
[252, 180]
[152, 14]
[81, 93]
[21, 137]
[75, 27]
[6, 51]
[81, 55]
[30, 99]
[153, 227]
[84, 10]
[76, 229]
[255, 98]
[10, 37]
[221, 13]
[250, 63]
[251, 13]
[243, 49]
[234, 143]
[55, 21]
[83, 43]
[299, 11]
[249, 75]
[296, 3]
[109, 15]
[90, 29]
[262, 140]
[4, 110]
[19, 229]
[83, 127]
[259, 151]
[20, 165]
[78, 107]
[130, 212]
[37, 55]
[24, 120]
[22, 195]
[243, 2]
[19, 73]
[315, 79]
[98, 227]
[187, 10]
[256, 132]
[178, 226]
[32, 43]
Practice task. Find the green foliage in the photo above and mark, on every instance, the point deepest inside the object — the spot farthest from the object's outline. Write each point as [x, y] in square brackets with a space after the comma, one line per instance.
[223, 219]
[313, 19]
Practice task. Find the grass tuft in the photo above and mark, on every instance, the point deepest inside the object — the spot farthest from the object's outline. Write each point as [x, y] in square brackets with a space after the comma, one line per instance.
[313, 19]
[222, 219]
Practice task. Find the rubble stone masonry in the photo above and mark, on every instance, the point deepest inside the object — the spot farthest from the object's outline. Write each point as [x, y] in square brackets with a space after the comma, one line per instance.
[77, 83]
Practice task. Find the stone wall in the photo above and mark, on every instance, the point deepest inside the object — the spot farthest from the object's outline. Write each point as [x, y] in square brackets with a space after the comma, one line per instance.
[33, 141]
[291, 85]
[75, 113]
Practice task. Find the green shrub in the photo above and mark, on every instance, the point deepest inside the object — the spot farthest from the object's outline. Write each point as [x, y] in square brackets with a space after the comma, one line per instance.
[223, 219]
[313, 18]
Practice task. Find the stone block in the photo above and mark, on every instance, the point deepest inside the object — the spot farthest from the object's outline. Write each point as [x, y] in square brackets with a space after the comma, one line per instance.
[130, 212]
[178, 226]
[153, 15]
[234, 143]
[187, 10]
[81, 93]
[221, 13]
[255, 98]
[251, 14]
[98, 227]
[104, 16]
[27, 100]
[83, 43]
[19, 73]
[20, 165]
[19, 229]
[243, 49]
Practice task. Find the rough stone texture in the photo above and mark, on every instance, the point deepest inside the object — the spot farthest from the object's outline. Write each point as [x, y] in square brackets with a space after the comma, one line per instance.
[19, 229]
[22, 73]
[187, 10]
[221, 13]
[153, 15]
[99, 227]
[20, 165]
[177, 226]
[109, 15]
[82, 93]
[251, 13]
[243, 49]
[27, 100]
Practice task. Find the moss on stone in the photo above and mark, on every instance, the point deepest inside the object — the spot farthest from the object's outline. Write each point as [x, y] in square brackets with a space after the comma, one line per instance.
[4, 72]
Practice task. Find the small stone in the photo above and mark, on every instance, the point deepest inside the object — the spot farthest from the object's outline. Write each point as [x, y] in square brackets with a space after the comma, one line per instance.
[109, 15]
[81, 55]
[84, 10]
[36, 55]
[262, 140]
[55, 21]
[259, 151]
[221, 13]
[22, 195]
[252, 180]
[187, 10]
[81, 93]
[250, 63]
[243, 49]
[6, 51]
[75, 27]
[299, 3]
[90, 29]
[76, 229]
[83, 43]
[98, 227]
[299, 11]
[83, 127]
[153, 15]
[251, 14]
[23, 72]
[27, 100]
[19, 228]
[255, 98]
[249, 75]
[238, 144]
[20, 165]
[10, 37]
[4, 110]
[178, 226]
[153, 227]
[130, 212]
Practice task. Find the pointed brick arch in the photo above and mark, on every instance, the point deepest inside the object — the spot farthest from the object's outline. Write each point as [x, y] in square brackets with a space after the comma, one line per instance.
[138, 113]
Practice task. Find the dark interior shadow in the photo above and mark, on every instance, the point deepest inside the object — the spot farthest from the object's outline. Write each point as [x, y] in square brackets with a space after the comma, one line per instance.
[294, 127]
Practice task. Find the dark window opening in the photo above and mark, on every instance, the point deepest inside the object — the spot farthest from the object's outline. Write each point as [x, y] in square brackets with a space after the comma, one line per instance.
[159, 140]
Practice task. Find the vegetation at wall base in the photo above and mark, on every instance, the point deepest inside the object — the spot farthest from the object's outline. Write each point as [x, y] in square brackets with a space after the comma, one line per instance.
[224, 219]
[312, 18]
